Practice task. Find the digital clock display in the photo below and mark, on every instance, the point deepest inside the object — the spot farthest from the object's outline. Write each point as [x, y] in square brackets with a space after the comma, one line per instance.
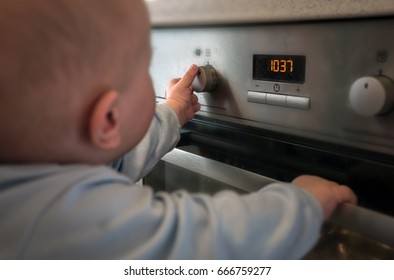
[279, 68]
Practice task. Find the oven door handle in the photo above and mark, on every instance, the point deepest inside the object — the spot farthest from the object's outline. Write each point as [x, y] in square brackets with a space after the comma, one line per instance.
[373, 224]
[215, 170]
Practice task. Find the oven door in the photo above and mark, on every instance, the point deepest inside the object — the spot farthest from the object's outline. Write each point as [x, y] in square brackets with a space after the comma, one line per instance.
[211, 158]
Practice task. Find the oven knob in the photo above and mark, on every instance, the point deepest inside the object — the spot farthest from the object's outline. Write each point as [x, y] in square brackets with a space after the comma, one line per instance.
[370, 96]
[206, 79]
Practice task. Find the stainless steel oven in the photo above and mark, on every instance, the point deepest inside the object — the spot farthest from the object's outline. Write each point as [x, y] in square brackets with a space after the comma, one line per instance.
[284, 98]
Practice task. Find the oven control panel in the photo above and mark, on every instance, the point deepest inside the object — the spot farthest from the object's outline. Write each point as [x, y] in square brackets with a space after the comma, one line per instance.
[328, 80]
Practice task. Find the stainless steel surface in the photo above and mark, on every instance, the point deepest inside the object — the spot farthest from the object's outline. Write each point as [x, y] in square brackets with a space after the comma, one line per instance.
[191, 12]
[337, 243]
[365, 222]
[217, 171]
[337, 54]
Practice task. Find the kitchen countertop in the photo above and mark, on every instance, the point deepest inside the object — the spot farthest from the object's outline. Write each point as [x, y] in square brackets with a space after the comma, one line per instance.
[203, 12]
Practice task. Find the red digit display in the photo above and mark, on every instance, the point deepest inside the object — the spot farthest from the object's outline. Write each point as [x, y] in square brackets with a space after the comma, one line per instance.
[279, 68]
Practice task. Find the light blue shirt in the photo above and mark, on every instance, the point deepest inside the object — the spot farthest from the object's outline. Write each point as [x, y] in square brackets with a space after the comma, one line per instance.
[94, 212]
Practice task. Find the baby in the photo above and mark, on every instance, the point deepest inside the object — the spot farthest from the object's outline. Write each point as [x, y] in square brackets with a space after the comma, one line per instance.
[76, 95]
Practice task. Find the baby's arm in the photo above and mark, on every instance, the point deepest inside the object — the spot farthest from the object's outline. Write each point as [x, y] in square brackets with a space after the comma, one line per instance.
[163, 134]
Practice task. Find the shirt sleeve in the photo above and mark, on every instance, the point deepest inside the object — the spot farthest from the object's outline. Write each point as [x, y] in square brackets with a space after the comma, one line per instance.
[161, 137]
[102, 217]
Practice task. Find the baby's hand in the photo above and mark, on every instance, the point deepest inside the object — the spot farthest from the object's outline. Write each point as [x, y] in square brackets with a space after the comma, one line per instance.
[180, 96]
[329, 194]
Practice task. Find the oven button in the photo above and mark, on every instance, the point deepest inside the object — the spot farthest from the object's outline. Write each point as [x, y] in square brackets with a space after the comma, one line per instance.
[206, 79]
[370, 96]
[276, 99]
[257, 97]
[298, 102]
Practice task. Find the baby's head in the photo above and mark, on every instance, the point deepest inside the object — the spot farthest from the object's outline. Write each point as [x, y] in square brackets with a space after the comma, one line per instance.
[74, 79]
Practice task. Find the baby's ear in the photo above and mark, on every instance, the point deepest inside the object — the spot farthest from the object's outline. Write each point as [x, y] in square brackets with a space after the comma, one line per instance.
[104, 121]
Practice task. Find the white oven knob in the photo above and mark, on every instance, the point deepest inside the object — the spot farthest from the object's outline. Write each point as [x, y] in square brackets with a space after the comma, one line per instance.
[370, 96]
[206, 79]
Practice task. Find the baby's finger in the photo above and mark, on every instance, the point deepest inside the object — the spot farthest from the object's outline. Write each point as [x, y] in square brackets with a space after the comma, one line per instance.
[187, 79]
[174, 81]
[194, 99]
[347, 195]
[196, 107]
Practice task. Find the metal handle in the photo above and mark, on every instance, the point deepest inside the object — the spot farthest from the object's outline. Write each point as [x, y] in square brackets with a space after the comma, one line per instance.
[369, 223]
[215, 170]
